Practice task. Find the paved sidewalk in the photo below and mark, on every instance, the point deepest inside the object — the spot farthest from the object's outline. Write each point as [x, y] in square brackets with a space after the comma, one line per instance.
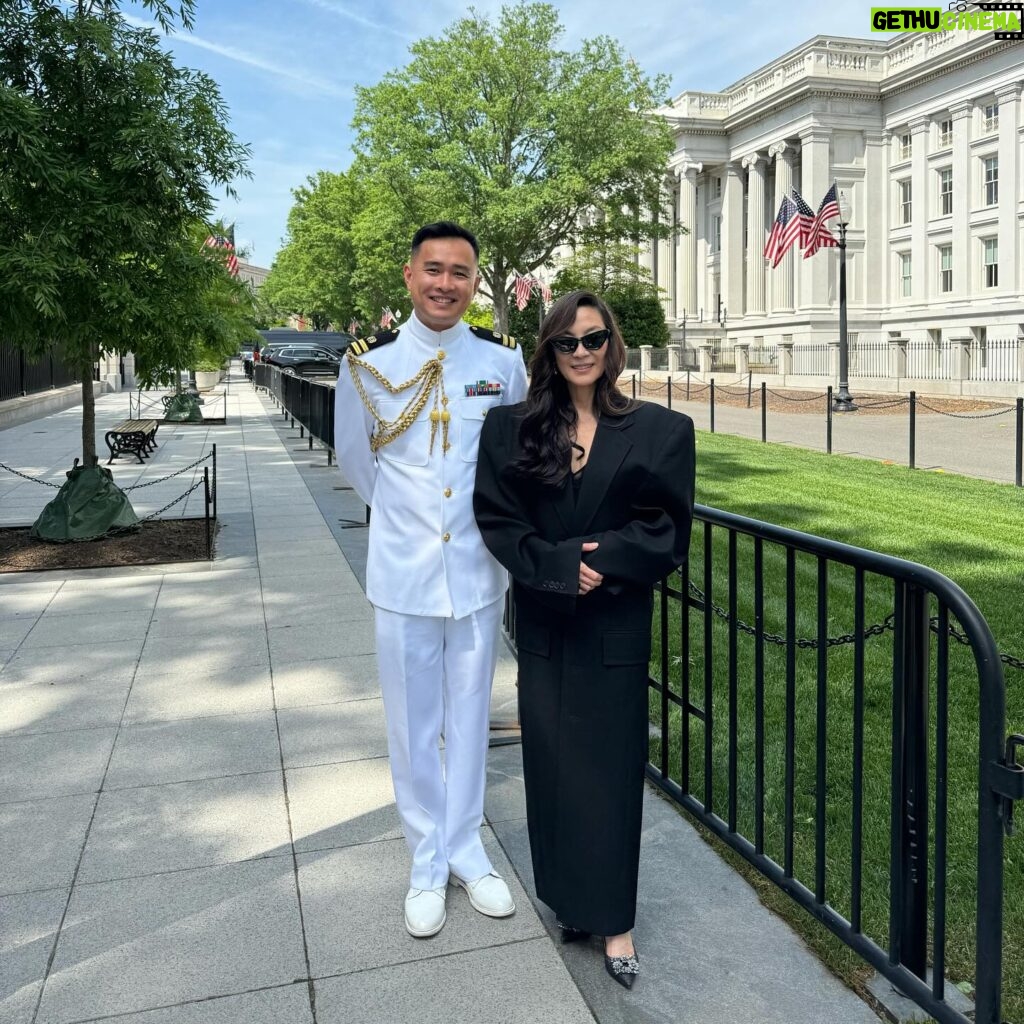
[196, 820]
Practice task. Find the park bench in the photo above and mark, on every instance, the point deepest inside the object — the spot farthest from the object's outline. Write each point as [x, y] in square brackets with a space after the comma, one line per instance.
[137, 436]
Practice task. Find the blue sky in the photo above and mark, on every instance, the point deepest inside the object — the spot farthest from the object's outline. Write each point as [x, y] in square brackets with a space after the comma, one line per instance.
[287, 68]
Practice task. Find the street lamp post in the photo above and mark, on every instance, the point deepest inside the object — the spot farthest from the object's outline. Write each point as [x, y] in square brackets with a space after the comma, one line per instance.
[843, 401]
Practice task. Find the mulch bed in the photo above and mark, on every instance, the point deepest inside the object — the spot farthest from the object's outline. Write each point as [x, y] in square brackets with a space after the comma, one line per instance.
[813, 403]
[159, 540]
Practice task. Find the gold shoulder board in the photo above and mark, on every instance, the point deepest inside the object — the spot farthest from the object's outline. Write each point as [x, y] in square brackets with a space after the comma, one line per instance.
[363, 345]
[488, 335]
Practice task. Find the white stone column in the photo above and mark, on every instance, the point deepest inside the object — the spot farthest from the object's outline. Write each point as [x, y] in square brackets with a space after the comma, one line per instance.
[870, 223]
[922, 272]
[645, 358]
[686, 244]
[1009, 111]
[961, 347]
[815, 178]
[664, 268]
[897, 357]
[782, 275]
[756, 236]
[962, 185]
[732, 241]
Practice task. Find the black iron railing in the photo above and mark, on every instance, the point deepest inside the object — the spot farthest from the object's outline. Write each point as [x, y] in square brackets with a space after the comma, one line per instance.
[770, 732]
[23, 375]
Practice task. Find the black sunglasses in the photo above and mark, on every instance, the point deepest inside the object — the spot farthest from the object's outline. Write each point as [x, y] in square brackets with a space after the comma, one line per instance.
[591, 342]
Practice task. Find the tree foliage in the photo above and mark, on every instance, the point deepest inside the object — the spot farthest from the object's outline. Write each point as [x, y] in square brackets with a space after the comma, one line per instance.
[495, 125]
[108, 153]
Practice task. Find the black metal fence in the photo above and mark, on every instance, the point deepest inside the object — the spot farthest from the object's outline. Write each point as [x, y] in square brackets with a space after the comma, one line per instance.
[21, 375]
[829, 762]
[310, 403]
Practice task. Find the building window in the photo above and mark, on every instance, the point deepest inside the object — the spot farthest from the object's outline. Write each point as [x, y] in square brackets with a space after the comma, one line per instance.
[906, 145]
[990, 120]
[945, 268]
[991, 180]
[991, 262]
[716, 234]
[716, 188]
[945, 191]
[905, 274]
[905, 194]
[946, 132]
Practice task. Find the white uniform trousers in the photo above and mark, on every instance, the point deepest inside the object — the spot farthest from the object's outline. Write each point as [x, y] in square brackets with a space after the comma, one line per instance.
[435, 676]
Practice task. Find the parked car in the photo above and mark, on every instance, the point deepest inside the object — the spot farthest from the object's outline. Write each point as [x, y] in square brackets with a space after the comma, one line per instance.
[334, 341]
[306, 360]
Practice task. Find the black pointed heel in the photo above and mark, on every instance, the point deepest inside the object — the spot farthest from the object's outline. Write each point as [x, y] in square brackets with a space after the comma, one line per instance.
[571, 934]
[624, 969]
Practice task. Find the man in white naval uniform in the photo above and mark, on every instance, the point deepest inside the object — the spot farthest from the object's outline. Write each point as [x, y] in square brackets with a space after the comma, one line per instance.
[410, 404]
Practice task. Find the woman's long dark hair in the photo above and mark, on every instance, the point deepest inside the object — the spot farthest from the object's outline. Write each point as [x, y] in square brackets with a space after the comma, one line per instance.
[550, 418]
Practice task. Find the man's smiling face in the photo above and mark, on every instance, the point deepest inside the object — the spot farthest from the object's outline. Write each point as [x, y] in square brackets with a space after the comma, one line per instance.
[442, 279]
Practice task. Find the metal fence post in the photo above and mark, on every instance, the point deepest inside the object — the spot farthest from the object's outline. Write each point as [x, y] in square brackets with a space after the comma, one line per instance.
[1020, 441]
[908, 927]
[206, 510]
[764, 412]
[669, 391]
[215, 481]
[913, 427]
[712, 405]
[687, 385]
[828, 420]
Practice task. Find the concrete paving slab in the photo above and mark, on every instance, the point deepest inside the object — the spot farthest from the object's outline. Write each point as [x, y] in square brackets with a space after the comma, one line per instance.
[329, 733]
[186, 825]
[352, 903]
[152, 942]
[119, 579]
[160, 695]
[519, 983]
[40, 842]
[34, 765]
[56, 707]
[324, 682]
[204, 652]
[505, 799]
[304, 568]
[329, 612]
[152, 753]
[209, 581]
[115, 660]
[13, 630]
[289, 644]
[342, 805]
[127, 597]
[54, 630]
[288, 1004]
[28, 929]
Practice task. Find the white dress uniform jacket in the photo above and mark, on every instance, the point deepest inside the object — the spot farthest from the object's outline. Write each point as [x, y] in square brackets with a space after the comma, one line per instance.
[426, 556]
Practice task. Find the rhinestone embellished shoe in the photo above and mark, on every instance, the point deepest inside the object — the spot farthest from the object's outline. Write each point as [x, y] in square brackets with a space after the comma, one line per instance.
[623, 969]
[570, 934]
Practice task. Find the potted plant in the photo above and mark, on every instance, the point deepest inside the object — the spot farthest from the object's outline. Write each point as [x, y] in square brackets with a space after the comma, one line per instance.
[208, 373]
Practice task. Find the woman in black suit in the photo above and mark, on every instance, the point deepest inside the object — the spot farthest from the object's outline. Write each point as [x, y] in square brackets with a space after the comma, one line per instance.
[586, 498]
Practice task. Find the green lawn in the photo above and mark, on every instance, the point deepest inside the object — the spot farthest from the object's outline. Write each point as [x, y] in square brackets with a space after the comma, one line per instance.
[970, 530]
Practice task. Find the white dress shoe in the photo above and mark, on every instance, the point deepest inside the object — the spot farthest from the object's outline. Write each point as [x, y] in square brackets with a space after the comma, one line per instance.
[489, 894]
[424, 911]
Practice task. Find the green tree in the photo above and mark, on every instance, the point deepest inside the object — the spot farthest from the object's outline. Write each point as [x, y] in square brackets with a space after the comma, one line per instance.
[108, 153]
[496, 126]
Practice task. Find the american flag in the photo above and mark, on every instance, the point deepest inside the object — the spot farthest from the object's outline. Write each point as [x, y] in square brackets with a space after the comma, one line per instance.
[545, 291]
[782, 234]
[821, 237]
[523, 287]
[387, 318]
[353, 327]
[223, 242]
[804, 218]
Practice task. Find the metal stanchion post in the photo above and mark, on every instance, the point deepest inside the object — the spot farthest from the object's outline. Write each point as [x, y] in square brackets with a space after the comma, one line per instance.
[1020, 441]
[712, 405]
[828, 421]
[913, 427]
[670, 391]
[764, 412]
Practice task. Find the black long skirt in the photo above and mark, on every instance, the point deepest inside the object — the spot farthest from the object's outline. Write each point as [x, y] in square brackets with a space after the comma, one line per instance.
[583, 709]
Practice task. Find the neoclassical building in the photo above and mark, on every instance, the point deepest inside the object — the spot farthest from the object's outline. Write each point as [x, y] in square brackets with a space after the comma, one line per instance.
[923, 131]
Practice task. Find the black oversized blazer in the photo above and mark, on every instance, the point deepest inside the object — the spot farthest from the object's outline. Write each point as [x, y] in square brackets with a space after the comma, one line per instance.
[635, 500]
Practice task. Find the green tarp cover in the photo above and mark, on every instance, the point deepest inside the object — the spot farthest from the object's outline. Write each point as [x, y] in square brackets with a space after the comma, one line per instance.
[183, 408]
[89, 506]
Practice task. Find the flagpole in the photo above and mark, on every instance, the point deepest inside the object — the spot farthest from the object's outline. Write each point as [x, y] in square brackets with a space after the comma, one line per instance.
[843, 401]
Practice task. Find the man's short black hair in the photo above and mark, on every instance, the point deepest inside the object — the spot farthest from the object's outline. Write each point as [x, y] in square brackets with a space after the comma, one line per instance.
[444, 229]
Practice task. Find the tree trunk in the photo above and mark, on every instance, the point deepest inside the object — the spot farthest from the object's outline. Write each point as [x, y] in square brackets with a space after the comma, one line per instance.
[88, 417]
[500, 299]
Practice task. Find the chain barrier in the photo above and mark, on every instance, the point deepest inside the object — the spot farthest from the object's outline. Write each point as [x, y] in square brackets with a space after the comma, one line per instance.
[160, 480]
[808, 643]
[790, 398]
[887, 404]
[965, 415]
[25, 476]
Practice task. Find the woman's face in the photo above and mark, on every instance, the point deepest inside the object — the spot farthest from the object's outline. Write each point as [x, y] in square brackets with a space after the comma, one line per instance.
[582, 367]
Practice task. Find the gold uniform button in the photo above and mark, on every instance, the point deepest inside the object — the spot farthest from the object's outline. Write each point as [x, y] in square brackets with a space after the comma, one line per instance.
[440, 353]
[447, 537]
[447, 492]
[484, 413]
